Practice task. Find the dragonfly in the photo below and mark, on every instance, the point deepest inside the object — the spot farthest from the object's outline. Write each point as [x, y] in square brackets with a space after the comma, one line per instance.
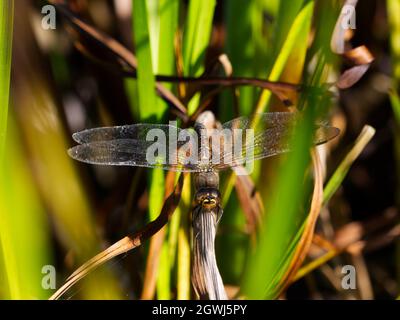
[204, 151]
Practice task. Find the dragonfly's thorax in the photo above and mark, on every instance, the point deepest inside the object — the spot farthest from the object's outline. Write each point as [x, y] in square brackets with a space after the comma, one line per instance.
[207, 198]
[206, 179]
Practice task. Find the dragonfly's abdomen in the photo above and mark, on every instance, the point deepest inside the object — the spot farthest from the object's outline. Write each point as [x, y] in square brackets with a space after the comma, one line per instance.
[206, 279]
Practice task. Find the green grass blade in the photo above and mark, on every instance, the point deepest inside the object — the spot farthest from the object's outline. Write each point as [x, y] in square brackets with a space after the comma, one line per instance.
[183, 269]
[283, 217]
[148, 100]
[395, 101]
[337, 178]
[393, 9]
[295, 44]
[169, 14]
[156, 185]
[296, 23]
[287, 13]
[244, 26]
[6, 32]
[24, 230]
[197, 35]
[154, 25]
[196, 38]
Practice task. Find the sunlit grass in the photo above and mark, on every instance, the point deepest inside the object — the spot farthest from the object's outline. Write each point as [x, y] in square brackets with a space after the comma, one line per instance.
[24, 229]
[6, 31]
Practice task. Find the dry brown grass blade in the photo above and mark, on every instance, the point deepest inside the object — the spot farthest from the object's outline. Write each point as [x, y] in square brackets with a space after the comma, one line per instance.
[212, 70]
[208, 98]
[116, 49]
[127, 243]
[359, 57]
[250, 201]
[307, 236]
[351, 235]
[179, 63]
[153, 258]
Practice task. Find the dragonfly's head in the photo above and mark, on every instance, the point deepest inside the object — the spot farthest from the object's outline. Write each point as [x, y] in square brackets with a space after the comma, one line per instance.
[208, 198]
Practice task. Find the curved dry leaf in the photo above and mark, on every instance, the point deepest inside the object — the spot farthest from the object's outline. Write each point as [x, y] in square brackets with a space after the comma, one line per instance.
[249, 199]
[360, 57]
[351, 236]
[127, 243]
[307, 236]
[351, 76]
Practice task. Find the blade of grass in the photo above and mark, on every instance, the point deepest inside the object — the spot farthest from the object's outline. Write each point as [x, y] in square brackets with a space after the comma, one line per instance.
[244, 23]
[282, 218]
[395, 101]
[24, 231]
[157, 274]
[296, 39]
[335, 181]
[196, 38]
[168, 15]
[340, 173]
[298, 26]
[146, 29]
[183, 281]
[307, 229]
[57, 181]
[287, 13]
[156, 186]
[393, 6]
[6, 32]
[291, 52]
[145, 73]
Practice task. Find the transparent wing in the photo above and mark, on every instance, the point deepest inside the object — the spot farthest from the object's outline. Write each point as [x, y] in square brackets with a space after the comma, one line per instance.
[324, 133]
[134, 145]
[261, 122]
[271, 137]
[137, 131]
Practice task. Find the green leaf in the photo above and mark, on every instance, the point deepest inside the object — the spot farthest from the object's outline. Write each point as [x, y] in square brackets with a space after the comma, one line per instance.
[294, 47]
[393, 9]
[197, 35]
[147, 97]
[196, 38]
[25, 246]
[6, 32]
[341, 171]
[155, 24]
[283, 217]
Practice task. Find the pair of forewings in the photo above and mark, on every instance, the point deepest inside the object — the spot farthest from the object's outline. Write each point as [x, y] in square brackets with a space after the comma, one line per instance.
[129, 145]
